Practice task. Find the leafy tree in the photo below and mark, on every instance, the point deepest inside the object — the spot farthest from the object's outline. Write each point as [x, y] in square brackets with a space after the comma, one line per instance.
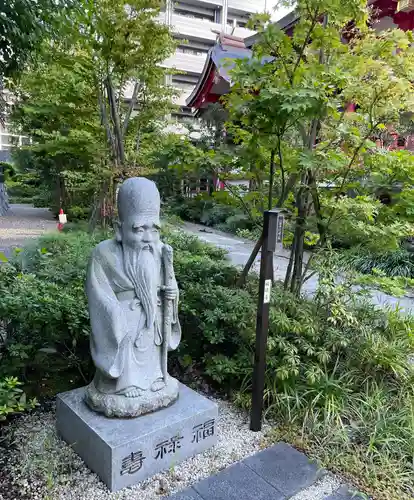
[297, 106]
[126, 45]
[57, 108]
[22, 24]
[107, 96]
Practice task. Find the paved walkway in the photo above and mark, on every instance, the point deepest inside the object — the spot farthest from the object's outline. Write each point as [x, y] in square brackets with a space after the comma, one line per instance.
[22, 222]
[25, 221]
[239, 251]
[277, 473]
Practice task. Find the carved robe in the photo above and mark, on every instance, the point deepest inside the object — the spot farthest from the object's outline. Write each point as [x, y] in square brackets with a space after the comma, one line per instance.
[126, 353]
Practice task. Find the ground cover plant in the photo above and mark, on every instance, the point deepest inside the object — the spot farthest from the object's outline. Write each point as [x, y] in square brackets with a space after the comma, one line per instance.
[339, 370]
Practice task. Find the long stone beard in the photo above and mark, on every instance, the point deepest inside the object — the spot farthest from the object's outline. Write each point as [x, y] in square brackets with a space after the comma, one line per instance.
[141, 267]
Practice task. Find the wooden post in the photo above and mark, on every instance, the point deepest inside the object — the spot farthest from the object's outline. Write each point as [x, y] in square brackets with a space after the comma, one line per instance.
[272, 237]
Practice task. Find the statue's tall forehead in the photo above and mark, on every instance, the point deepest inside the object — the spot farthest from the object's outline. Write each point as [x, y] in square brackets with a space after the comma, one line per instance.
[139, 198]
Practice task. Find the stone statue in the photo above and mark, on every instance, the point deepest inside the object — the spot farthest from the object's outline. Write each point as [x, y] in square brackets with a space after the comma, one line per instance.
[133, 306]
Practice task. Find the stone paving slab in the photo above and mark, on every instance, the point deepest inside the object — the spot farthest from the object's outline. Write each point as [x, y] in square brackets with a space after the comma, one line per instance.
[276, 473]
[237, 482]
[188, 494]
[285, 468]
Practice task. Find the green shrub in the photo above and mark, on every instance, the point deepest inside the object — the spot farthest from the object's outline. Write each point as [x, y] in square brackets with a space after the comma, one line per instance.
[44, 310]
[75, 213]
[239, 221]
[214, 212]
[398, 263]
[12, 398]
[336, 366]
[191, 208]
[44, 198]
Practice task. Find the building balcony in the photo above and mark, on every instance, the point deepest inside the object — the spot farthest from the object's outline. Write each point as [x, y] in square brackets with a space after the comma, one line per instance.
[194, 28]
[207, 3]
[250, 6]
[180, 100]
[189, 63]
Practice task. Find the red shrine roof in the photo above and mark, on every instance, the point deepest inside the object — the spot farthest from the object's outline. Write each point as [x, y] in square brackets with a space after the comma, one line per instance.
[215, 78]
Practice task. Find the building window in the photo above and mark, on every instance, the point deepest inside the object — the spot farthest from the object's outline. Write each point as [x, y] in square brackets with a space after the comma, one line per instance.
[185, 81]
[9, 141]
[194, 47]
[184, 115]
[237, 20]
[195, 12]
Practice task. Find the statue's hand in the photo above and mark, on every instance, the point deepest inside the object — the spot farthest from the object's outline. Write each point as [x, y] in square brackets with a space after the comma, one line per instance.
[170, 293]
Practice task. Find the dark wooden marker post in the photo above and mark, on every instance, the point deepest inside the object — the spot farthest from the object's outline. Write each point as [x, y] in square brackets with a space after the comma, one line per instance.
[272, 237]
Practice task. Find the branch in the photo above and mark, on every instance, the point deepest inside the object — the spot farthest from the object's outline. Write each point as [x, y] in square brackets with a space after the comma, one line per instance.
[240, 198]
[271, 178]
[115, 120]
[289, 186]
[105, 122]
[348, 169]
[307, 266]
[305, 43]
[131, 106]
[282, 170]
[278, 58]
[120, 96]
[242, 279]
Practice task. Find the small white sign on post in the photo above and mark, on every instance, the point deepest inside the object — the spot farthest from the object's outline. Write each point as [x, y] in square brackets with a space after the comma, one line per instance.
[62, 218]
[267, 291]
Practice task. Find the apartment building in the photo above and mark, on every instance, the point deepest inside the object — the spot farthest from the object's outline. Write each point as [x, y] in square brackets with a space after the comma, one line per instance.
[8, 141]
[196, 24]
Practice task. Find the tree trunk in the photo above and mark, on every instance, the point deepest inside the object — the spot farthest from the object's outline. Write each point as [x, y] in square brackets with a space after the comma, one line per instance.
[300, 228]
[117, 132]
[320, 221]
[271, 179]
[288, 188]
[288, 275]
[242, 279]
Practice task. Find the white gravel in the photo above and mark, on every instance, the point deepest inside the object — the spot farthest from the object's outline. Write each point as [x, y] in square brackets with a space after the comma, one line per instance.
[41, 466]
[44, 465]
[321, 489]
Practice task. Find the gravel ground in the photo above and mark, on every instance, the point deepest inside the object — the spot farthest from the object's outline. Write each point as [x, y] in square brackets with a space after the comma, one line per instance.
[23, 222]
[36, 464]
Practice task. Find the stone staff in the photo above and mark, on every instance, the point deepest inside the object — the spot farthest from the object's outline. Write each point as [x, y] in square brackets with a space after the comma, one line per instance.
[167, 257]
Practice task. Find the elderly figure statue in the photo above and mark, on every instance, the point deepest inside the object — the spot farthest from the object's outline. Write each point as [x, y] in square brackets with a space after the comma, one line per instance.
[133, 297]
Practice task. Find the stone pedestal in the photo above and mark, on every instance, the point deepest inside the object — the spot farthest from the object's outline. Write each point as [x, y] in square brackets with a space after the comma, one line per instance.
[126, 451]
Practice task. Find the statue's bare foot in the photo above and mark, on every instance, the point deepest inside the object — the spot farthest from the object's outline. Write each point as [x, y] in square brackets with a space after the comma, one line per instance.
[158, 385]
[133, 393]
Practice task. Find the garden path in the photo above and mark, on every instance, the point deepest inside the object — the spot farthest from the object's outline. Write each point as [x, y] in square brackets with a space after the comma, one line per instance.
[276, 473]
[25, 221]
[21, 223]
[279, 472]
[239, 250]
